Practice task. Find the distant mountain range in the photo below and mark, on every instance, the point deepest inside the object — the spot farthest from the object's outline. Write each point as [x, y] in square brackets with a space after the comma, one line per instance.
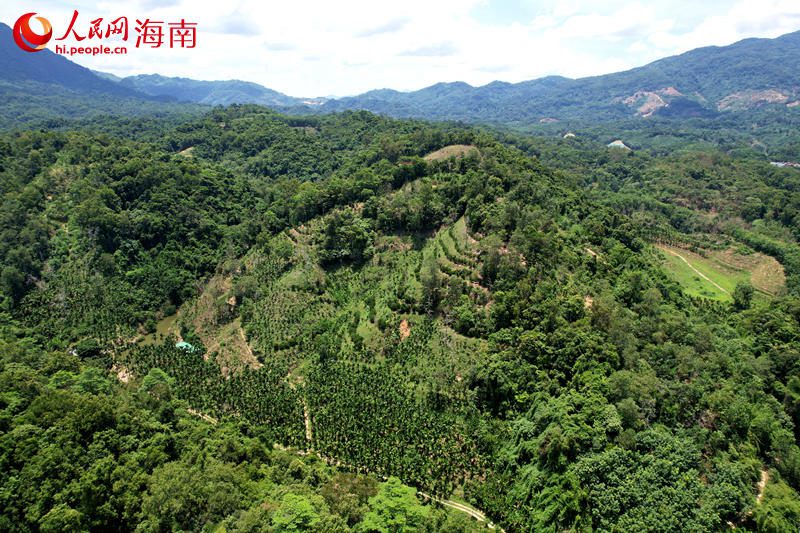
[702, 83]
[699, 83]
[212, 92]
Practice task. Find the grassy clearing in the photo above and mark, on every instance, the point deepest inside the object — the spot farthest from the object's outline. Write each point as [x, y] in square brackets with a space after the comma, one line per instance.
[165, 327]
[454, 150]
[716, 274]
[715, 286]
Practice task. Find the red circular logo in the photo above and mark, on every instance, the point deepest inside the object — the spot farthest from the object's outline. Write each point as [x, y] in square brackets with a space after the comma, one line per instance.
[25, 37]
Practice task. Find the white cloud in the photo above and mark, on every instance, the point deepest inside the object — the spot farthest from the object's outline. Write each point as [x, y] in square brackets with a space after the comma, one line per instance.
[746, 18]
[435, 50]
[350, 46]
[391, 26]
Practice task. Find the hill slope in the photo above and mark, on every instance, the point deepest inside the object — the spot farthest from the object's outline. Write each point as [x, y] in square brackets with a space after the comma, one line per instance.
[403, 299]
[17, 66]
[40, 87]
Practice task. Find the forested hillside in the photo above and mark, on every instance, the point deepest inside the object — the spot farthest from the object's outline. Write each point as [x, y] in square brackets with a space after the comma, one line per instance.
[251, 322]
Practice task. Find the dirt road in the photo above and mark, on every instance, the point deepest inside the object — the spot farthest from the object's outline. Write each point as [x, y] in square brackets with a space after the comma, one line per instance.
[474, 513]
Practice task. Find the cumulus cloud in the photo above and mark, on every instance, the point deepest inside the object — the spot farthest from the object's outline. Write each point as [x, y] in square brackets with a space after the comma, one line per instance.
[495, 69]
[236, 24]
[434, 50]
[150, 4]
[279, 46]
[389, 27]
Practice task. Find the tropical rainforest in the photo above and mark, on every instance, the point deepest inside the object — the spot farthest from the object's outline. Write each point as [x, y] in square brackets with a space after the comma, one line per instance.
[238, 320]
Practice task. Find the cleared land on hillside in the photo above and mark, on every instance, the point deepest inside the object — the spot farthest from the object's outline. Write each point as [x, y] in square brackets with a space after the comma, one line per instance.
[715, 274]
[454, 150]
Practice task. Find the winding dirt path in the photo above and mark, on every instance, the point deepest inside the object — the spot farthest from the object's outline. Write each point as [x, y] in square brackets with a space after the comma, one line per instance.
[471, 511]
[307, 418]
[676, 254]
[762, 485]
[253, 360]
[474, 513]
[210, 419]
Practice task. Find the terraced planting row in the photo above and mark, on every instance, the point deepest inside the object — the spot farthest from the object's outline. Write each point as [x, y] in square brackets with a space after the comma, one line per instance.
[383, 385]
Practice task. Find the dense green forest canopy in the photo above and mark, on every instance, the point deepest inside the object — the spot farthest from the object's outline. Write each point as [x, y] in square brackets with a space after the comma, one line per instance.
[375, 307]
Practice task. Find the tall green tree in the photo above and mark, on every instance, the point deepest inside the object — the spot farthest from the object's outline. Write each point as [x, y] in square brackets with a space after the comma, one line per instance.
[394, 509]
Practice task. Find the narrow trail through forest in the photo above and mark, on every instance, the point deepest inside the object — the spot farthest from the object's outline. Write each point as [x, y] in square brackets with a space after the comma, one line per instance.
[307, 419]
[199, 414]
[762, 485]
[474, 513]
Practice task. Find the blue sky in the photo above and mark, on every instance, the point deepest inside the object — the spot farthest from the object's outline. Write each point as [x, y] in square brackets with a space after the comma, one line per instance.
[504, 12]
[319, 48]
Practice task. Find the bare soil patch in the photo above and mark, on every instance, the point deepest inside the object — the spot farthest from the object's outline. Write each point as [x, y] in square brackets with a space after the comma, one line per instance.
[405, 331]
[454, 150]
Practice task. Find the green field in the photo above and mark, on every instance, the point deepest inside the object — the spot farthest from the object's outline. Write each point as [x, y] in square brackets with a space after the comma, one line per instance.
[164, 327]
[713, 278]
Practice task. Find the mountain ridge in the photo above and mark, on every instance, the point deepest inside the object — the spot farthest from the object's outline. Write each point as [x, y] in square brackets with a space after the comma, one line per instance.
[50, 68]
[44, 89]
[697, 80]
[701, 83]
